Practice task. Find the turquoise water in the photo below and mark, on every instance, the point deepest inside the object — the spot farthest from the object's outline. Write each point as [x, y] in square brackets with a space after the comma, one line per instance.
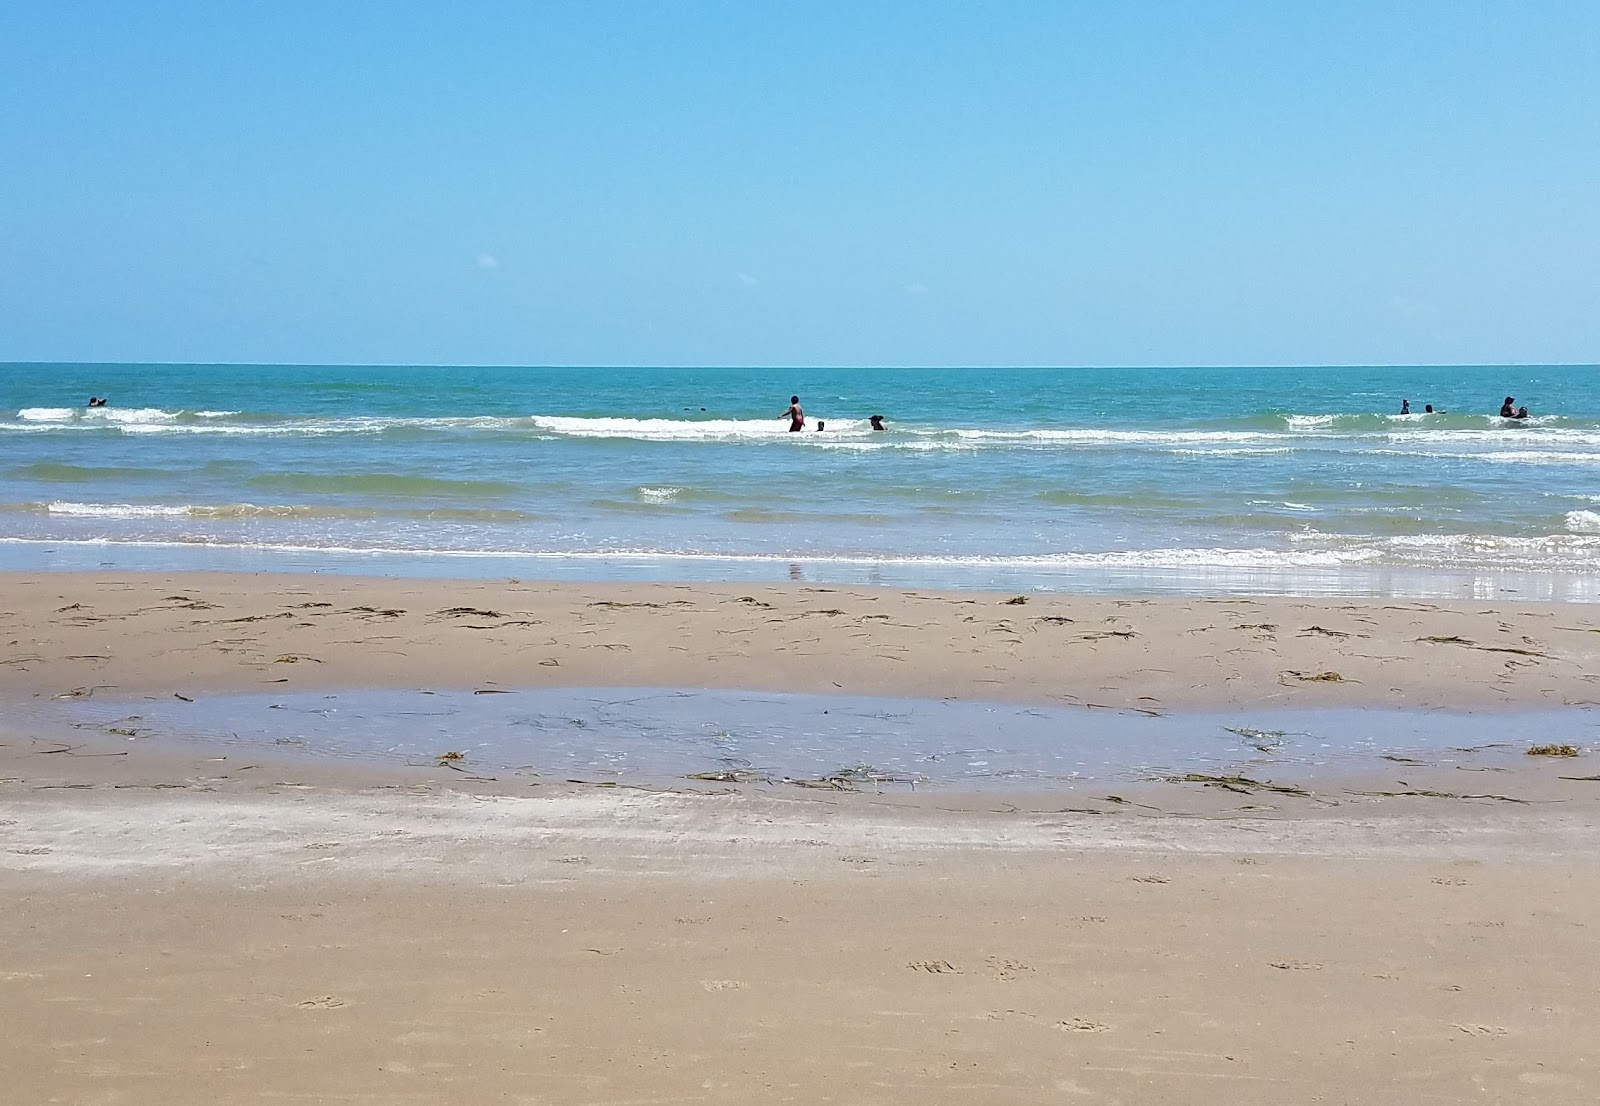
[1260, 479]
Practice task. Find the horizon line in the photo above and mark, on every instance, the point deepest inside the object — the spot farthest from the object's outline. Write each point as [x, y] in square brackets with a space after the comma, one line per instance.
[809, 368]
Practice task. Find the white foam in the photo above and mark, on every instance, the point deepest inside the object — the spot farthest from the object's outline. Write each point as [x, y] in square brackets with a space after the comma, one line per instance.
[137, 417]
[1099, 436]
[97, 415]
[1244, 451]
[1170, 558]
[659, 495]
[1584, 522]
[1541, 457]
[675, 430]
[48, 414]
[150, 420]
[115, 510]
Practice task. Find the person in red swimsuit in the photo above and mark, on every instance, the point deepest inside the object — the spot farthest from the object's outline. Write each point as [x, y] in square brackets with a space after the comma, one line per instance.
[796, 417]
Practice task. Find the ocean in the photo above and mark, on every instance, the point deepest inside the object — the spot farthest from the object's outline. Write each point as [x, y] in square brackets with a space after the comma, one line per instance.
[1196, 480]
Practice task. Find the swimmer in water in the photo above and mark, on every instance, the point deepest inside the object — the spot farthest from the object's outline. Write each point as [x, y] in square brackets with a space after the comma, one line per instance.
[796, 416]
[96, 401]
[1405, 407]
[1508, 409]
[876, 421]
[820, 425]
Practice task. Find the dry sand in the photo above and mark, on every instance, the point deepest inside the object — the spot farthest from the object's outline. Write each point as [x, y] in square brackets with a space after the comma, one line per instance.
[194, 928]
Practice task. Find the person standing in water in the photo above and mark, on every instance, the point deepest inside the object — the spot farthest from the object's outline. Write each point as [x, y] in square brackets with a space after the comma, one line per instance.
[1405, 407]
[876, 421]
[796, 416]
[1508, 409]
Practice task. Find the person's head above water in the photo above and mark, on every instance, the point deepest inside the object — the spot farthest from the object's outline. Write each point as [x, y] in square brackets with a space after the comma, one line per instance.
[1427, 408]
[820, 425]
[876, 421]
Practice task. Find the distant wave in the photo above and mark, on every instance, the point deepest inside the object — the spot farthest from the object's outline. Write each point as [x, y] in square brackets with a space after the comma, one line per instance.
[1548, 439]
[679, 430]
[127, 511]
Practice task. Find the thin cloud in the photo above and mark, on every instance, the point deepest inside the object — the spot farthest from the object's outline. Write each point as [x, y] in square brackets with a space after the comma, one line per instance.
[488, 261]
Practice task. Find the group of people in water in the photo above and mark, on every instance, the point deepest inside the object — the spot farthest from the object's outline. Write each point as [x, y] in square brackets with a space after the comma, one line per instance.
[797, 418]
[1508, 409]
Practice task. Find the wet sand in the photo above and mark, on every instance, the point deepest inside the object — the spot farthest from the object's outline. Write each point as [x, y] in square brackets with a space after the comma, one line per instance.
[189, 930]
[217, 926]
[163, 633]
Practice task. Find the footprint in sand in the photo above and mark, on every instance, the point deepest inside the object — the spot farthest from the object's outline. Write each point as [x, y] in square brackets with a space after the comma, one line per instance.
[934, 967]
[322, 1002]
[722, 984]
[1006, 970]
[1082, 1025]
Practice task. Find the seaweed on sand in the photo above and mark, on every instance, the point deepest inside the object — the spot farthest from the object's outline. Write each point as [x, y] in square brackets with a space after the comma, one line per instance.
[1455, 639]
[1427, 793]
[1243, 785]
[1553, 751]
[729, 775]
[847, 779]
[1328, 677]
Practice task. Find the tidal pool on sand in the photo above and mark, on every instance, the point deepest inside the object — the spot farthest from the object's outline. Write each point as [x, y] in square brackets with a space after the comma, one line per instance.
[646, 735]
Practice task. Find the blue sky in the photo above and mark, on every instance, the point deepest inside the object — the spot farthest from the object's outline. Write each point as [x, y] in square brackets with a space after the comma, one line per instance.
[828, 184]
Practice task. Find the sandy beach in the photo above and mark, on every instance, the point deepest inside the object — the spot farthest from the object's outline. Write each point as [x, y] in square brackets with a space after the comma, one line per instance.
[198, 926]
[221, 632]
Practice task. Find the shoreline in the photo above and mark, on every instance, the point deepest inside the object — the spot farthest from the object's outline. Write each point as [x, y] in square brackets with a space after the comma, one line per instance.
[1166, 574]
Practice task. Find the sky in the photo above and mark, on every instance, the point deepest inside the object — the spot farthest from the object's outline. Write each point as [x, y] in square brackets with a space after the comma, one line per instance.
[681, 183]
